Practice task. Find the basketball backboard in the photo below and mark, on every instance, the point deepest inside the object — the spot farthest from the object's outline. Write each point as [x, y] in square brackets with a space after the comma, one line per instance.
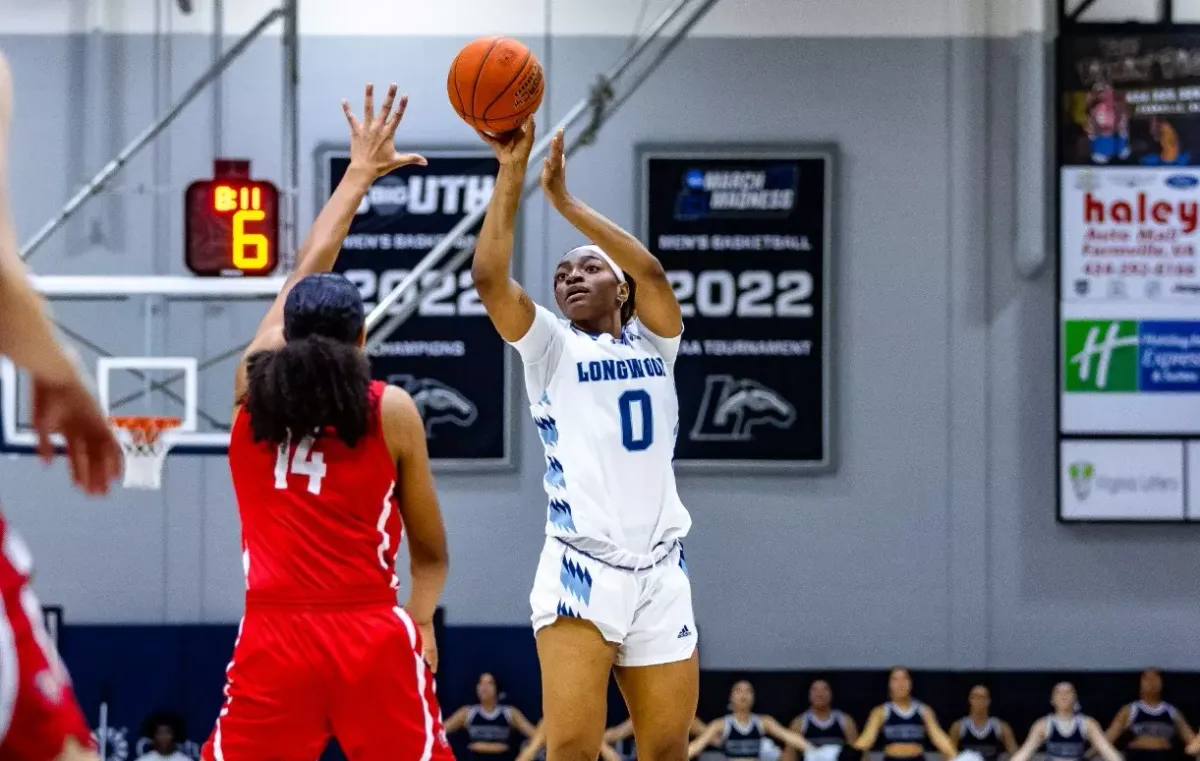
[156, 345]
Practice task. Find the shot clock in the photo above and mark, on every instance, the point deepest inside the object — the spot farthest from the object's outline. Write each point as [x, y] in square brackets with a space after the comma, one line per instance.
[231, 223]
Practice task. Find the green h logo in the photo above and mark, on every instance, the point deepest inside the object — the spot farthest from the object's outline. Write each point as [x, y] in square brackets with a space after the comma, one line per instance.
[1101, 355]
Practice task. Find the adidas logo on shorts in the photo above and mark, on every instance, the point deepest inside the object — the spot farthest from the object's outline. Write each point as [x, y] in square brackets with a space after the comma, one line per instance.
[684, 632]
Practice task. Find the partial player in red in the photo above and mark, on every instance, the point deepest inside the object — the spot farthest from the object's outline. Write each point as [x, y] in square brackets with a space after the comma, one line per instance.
[328, 466]
[39, 718]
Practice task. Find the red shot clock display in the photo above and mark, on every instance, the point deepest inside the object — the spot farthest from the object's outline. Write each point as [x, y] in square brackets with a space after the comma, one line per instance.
[231, 223]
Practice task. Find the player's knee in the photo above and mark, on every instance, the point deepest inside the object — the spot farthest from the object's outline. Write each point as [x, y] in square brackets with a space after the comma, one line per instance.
[573, 747]
[673, 747]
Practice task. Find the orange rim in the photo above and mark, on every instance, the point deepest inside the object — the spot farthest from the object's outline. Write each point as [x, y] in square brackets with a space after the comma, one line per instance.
[147, 426]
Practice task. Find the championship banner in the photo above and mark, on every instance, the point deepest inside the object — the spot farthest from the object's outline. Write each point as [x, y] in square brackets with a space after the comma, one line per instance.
[446, 354]
[1129, 283]
[744, 233]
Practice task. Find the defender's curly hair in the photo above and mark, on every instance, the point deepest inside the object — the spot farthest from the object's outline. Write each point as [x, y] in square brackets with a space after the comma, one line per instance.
[319, 380]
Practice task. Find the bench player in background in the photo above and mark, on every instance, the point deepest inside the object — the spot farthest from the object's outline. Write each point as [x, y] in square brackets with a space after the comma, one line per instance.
[39, 717]
[330, 468]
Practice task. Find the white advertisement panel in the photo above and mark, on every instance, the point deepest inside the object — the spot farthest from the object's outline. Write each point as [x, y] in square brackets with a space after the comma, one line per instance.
[1130, 234]
[1122, 480]
[1129, 368]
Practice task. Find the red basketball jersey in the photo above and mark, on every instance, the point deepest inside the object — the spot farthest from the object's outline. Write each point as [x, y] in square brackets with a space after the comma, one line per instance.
[320, 523]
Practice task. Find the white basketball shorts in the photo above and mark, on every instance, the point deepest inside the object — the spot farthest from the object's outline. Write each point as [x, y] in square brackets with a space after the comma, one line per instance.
[647, 613]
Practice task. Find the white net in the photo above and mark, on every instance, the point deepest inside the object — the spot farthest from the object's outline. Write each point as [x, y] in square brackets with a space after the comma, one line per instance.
[145, 442]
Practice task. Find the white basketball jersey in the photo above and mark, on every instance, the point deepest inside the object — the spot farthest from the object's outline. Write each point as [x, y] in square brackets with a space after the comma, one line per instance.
[607, 413]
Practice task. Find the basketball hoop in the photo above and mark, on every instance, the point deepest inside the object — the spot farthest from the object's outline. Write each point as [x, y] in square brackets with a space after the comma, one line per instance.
[145, 441]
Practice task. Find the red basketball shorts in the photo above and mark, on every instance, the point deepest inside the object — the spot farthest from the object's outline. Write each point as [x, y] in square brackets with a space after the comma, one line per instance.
[299, 678]
[38, 711]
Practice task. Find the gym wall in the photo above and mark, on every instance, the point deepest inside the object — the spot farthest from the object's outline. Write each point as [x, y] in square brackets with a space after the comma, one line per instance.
[933, 544]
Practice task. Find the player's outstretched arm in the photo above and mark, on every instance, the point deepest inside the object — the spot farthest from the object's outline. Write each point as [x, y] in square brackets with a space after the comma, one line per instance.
[1095, 735]
[789, 753]
[706, 738]
[61, 402]
[1037, 736]
[657, 307]
[870, 732]
[1119, 724]
[372, 155]
[621, 731]
[1186, 734]
[429, 561]
[26, 335]
[937, 736]
[784, 735]
[508, 305]
[530, 751]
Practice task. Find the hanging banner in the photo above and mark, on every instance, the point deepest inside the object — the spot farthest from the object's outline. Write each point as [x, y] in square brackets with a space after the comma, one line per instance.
[744, 233]
[446, 354]
[1129, 278]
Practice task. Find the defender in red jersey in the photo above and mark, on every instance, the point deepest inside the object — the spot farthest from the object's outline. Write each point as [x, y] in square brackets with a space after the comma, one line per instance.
[39, 717]
[329, 467]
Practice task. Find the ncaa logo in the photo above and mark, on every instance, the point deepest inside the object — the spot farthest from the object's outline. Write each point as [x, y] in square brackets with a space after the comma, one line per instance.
[388, 195]
[694, 179]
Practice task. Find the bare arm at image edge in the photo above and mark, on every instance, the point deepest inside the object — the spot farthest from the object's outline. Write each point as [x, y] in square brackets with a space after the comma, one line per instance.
[62, 403]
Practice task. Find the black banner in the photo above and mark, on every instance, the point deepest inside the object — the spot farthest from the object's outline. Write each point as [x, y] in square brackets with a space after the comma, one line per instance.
[1129, 98]
[446, 354]
[744, 235]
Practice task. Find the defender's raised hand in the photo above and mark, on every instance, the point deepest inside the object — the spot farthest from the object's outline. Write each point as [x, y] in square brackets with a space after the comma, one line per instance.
[554, 171]
[373, 138]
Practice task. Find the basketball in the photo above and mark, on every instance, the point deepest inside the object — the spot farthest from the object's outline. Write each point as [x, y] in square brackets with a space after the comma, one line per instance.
[494, 83]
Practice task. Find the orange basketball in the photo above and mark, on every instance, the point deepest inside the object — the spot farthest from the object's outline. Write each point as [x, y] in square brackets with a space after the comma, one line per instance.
[494, 83]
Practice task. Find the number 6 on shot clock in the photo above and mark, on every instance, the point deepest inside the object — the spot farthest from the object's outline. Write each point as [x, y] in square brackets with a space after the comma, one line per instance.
[232, 223]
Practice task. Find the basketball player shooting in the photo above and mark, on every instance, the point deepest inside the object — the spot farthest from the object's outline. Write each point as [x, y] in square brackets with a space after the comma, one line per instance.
[328, 466]
[611, 592]
[40, 719]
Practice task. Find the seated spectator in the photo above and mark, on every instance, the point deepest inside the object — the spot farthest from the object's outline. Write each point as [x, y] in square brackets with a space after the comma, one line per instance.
[490, 725]
[822, 724]
[903, 725]
[740, 734]
[163, 729]
[1066, 734]
[1153, 725]
[981, 732]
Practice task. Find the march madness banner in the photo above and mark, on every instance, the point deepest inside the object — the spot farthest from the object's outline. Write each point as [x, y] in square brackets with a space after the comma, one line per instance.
[446, 354]
[744, 233]
[1129, 99]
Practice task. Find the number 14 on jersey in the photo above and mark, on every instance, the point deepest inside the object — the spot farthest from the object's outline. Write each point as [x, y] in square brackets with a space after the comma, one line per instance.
[305, 462]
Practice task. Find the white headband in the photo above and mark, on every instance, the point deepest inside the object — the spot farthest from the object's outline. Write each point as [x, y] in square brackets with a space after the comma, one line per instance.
[598, 252]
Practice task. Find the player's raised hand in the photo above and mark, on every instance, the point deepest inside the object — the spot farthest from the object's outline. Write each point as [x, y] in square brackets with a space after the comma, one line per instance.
[373, 138]
[67, 408]
[512, 148]
[554, 170]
